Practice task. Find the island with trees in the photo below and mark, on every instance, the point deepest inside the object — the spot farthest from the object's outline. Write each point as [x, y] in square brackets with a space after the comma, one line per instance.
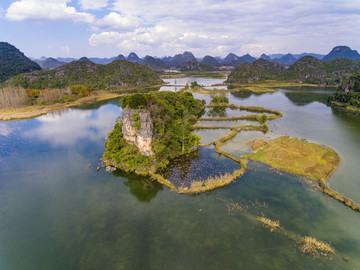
[156, 128]
[347, 96]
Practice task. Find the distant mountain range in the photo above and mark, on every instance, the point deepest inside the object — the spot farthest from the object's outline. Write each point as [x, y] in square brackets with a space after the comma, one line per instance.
[230, 60]
[154, 63]
[342, 52]
[209, 60]
[195, 65]
[13, 62]
[49, 63]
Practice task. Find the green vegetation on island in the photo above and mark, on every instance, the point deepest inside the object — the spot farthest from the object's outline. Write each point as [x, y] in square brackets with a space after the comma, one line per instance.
[172, 116]
[296, 156]
[299, 157]
[347, 97]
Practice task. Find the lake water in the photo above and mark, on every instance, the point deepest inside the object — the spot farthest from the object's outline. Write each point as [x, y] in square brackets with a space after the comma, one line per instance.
[57, 212]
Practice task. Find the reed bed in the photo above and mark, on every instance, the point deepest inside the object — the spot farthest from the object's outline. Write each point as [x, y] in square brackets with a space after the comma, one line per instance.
[272, 225]
[209, 127]
[315, 247]
[337, 196]
[253, 117]
[13, 97]
[211, 183]
[50, 96]
[228, 136]
[162, 180]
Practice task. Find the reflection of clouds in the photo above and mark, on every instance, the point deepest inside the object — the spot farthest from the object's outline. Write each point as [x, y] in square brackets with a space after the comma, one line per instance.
[66, 128]
[5, 130]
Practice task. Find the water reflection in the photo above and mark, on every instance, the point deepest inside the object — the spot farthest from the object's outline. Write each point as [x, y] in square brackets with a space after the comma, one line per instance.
[67, 128]
[189, 80]
[245, 94]
[5, 130]
[77, 218]
[143, 188]
[302, 99]
[199, 165]
[217, 112]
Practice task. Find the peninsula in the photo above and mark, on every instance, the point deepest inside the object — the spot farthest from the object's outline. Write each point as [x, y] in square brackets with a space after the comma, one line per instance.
[347, 97]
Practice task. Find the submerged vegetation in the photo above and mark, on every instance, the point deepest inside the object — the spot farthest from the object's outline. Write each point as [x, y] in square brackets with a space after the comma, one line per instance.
[307, 245]
[299, 157]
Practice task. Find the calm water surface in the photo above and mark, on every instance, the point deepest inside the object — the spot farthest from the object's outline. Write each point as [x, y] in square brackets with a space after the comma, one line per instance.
[57, 212]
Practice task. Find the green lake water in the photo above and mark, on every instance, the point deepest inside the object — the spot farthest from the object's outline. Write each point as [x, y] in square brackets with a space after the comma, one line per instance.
[57, 212]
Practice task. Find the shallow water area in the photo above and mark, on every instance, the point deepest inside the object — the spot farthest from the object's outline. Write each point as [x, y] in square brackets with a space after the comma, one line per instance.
[58, 212]
[198, 166]
[227, 112]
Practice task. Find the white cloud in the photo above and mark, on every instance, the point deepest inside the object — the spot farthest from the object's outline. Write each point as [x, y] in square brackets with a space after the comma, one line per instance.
[51, 10]
[116, 22]
[58, 128]
[66, 49]
[104, 38]
[93, 4]
[212, 26]
[1, 12]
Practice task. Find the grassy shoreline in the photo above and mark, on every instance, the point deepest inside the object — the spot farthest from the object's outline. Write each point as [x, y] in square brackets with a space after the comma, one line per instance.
[28, 112]
[301, 158]
[343, 107]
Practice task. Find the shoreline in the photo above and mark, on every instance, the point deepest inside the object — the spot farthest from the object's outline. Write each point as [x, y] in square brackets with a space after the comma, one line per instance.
[28, 112]
[342, 107]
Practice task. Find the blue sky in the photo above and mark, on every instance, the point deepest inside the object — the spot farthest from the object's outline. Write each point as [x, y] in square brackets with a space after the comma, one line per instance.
[105, 28]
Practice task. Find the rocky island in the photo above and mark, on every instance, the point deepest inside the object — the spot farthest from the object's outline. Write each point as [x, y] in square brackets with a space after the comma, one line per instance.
[153, 129]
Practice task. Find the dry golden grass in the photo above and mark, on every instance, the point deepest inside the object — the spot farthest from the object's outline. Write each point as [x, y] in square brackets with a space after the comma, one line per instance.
[272, 225]
[162, 180]
[199, 186]
[13, 97]
[337, 196]
[228, 136]
[315, 248]
[256, 144]
[15, 113]
[231, 118]
[298, 157]
[235, 207]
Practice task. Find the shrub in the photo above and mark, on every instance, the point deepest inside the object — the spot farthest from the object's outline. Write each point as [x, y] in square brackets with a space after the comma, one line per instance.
[80, 90]
[219, 99]
[135, 101]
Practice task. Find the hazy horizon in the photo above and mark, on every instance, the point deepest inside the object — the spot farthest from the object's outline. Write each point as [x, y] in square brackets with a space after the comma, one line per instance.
[105, 28]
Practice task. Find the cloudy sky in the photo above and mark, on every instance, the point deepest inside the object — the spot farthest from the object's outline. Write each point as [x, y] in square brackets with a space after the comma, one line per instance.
[105, 28]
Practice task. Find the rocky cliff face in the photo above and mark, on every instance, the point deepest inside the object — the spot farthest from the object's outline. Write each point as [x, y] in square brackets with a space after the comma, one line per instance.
[137, 129]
